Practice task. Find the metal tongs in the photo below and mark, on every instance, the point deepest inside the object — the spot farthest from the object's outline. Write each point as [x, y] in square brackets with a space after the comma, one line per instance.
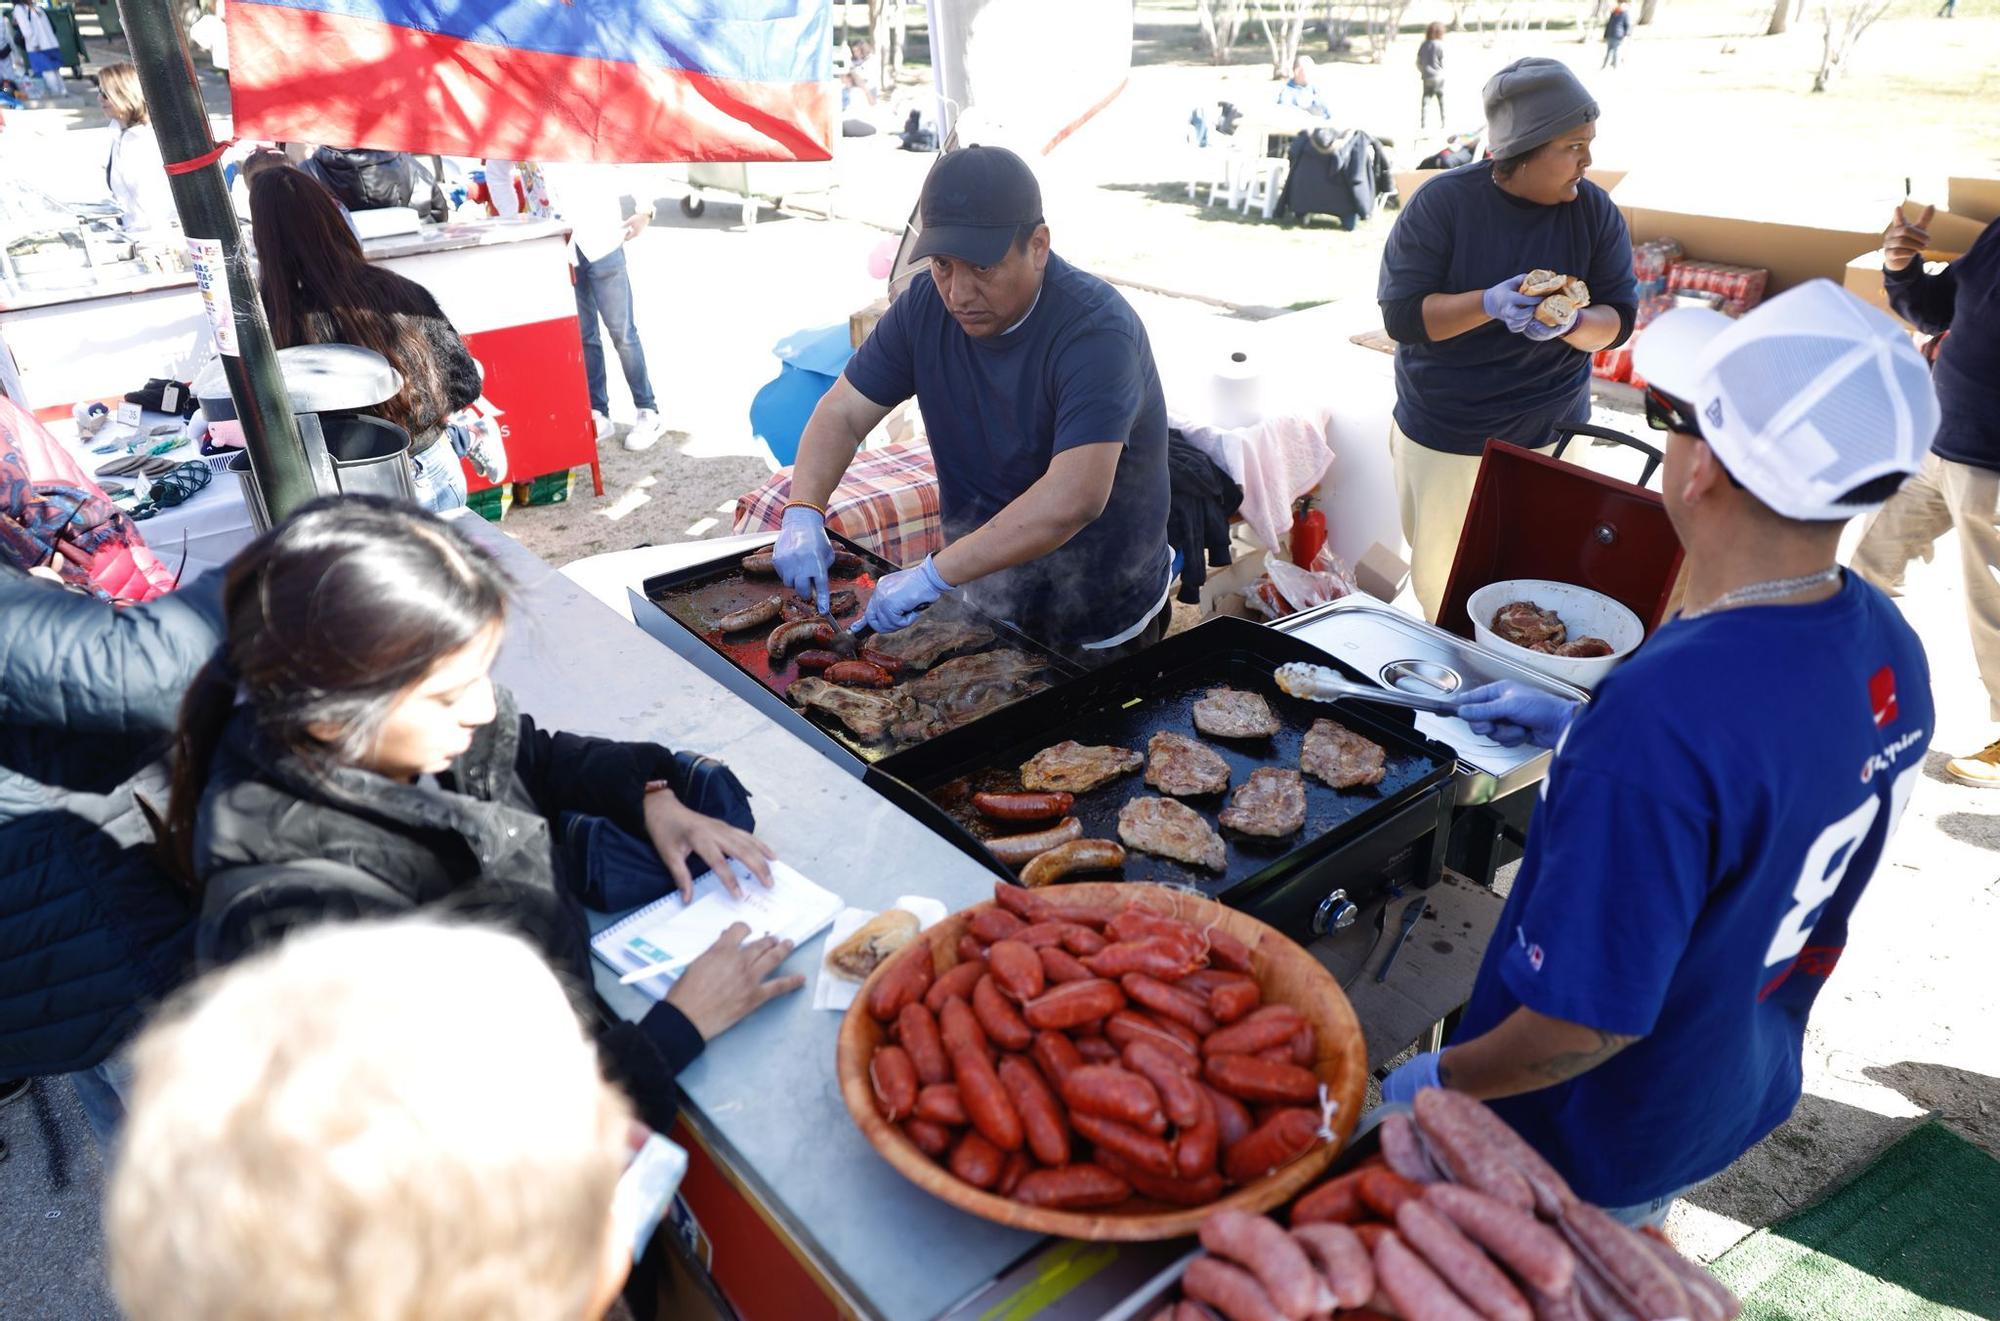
[1318, 683]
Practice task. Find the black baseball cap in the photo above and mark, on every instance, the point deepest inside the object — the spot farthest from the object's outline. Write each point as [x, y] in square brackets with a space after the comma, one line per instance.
[972, 204]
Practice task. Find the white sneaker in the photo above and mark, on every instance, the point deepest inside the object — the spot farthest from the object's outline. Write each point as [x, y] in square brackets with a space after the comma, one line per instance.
[646, 430]
[603, 424]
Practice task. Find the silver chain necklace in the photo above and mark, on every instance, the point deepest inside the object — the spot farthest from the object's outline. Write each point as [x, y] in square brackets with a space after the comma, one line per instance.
[1771, 589]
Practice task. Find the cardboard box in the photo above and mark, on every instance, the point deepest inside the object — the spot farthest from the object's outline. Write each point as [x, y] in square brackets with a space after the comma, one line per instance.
[1951, 234]
[1381, 573]
[1975, 199]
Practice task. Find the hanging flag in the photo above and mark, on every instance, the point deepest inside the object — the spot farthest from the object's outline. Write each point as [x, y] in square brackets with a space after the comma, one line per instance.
[551, 80]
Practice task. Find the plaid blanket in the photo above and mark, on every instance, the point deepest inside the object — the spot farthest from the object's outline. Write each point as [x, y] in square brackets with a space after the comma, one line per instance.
[887, 503]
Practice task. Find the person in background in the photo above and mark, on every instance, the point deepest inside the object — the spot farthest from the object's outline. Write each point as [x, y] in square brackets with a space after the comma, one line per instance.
[590, 198]
[1958, 488]
[383, 1119]
[35, 38]
[1616, 29]
[1301, 90]
[1473, 362]
[347, 752]
[134, 170]
[1704, 834]
[858, 91]
[1430, 67]
[318, 288]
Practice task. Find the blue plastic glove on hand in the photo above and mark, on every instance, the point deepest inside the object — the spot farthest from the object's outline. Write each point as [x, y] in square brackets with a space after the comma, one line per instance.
[900, 595]
[1512, 713]
[1505, 303]
[803, 555]
[1411, 1077]
[1537, 331]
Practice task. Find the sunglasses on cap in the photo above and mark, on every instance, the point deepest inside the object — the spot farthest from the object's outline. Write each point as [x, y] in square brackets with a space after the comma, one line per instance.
[1666, 413]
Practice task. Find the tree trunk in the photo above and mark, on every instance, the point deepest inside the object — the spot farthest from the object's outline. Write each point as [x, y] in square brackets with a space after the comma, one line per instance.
[1646, 8]
[1781, 18]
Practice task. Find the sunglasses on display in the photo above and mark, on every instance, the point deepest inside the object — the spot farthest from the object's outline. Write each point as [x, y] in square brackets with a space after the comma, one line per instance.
[1666, 413]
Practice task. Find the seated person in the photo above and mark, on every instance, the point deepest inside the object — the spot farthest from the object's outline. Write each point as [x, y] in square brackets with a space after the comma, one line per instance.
[1301, 90]
[347, 753]
[384, 1119]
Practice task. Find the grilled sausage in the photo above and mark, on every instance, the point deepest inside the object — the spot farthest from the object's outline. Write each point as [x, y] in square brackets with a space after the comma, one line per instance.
[797, 633]
[1023, 806]
[761, 564]
[893, 664]
[1077, 855]
[859, 674]
[814, 659]
[1015, 850]
[750, 616]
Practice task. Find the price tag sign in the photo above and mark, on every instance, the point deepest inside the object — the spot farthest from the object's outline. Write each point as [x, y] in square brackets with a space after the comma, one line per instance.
[130, 414]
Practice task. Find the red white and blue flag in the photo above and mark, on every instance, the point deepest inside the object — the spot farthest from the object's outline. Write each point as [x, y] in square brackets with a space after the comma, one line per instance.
[548, 80]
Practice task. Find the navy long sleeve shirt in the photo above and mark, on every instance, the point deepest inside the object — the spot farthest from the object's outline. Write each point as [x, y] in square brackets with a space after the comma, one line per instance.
[1963, 298]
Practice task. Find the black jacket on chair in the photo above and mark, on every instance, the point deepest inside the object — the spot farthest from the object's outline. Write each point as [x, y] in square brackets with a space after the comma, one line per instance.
[92, 931]
[1337, 174]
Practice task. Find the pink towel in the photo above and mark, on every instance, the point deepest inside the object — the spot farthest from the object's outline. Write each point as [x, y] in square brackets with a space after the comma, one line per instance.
[1275, 462]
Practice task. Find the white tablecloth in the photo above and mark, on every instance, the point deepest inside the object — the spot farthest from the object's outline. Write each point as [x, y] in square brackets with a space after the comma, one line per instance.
[200, 534]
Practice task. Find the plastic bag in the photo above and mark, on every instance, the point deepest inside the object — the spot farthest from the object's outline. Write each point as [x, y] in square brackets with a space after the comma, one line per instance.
[1285, 589]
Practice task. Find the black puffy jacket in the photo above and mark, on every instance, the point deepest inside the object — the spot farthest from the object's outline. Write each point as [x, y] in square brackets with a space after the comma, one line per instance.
[92, 932]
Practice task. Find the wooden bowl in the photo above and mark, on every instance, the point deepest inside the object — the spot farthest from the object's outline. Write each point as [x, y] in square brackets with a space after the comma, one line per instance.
[1287, 974]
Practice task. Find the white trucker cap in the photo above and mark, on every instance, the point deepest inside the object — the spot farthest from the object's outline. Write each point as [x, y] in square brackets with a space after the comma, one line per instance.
[1802, 399]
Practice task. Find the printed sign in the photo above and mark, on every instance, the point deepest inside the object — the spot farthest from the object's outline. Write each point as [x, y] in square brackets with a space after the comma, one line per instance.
[212, 278]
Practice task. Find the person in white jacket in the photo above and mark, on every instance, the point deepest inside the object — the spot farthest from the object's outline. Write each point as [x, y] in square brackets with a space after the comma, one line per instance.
[134, 171]
[34, 34]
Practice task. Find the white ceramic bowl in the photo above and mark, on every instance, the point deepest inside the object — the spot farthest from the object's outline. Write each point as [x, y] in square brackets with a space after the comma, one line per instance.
[1584, 613]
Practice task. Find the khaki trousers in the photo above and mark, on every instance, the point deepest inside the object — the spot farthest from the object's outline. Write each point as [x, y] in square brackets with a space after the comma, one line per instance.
[1943, 496]
[1434, 491]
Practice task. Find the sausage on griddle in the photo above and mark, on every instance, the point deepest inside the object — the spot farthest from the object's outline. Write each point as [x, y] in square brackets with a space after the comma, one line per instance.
[751, 616]
[1075, 856]
[859, 674]
[1023, 806]
[799, 632]
[1015, 850]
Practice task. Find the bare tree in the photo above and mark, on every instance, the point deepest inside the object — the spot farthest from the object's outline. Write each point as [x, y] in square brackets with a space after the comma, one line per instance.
[1221, 23]
[1283, 37]
[1841, 26]
[1646, 8]
[1781, 18]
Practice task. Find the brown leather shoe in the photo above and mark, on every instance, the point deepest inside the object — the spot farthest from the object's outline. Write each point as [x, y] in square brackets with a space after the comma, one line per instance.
[1981, 770]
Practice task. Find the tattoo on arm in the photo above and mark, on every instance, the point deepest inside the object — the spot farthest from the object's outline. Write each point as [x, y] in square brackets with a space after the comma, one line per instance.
[1564, 1065]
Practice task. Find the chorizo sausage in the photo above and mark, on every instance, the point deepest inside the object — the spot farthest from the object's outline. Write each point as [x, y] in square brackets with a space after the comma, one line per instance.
[1023, 806]
[893, 664]
[1125, 1027]
[1136, 922]
[1041, 1118]
[1384, 1191]
[1180, 1096]
[1002, 1022]
[1250, 1079]
[934, 1140]
[1169, 1001]
[1233, 1000]
[1113, 1092]
[1142, 1150]
[1511, 1235]
[1197, 1144]
[976, 1160]
[1073, 1004]
[894, 1079]
[1204, 980]
[1227, 952]
[1017, 970]
[1287, 1134]
[917, 1031]
[814, 659]
[858, 674]
[1059, 965]
[991, 924]
[906, 978]
[1096, 1050]
[1461, 1263]
[1021, 903]
[1342, 1260]
[1011, 1174]
[1075, 856]
[1337, 1201]
[1019, 850]
[1057, 1055]
[1073, 1187]
[1230, 1290]
[1181, 1192]
[957, 980]
[1273, 1025]
[940, 1103]
[1232, 1117]
[1414, 1287]
[1273, 1256]
[797, 633]
[1461, 1145]
[971, 950]
[1305, 1046]
[750, 616]
[986, 1103]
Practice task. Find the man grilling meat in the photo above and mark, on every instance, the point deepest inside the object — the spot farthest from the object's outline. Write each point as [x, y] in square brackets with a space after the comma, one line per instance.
[1710, 820]
[1046, 420]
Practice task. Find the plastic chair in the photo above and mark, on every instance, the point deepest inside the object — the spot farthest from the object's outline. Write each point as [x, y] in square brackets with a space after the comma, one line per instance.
[1225, 179]
[1264, 183]
[1570, 430]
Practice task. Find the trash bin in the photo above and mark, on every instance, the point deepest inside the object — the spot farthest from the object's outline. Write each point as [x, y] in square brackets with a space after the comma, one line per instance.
[332, 387]
[69, 37]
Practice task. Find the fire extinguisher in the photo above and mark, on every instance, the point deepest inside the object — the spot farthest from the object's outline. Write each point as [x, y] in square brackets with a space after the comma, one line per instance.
[1308, 533]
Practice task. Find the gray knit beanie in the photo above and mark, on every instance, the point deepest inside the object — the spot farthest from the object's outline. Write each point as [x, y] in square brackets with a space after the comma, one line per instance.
[1532, 101]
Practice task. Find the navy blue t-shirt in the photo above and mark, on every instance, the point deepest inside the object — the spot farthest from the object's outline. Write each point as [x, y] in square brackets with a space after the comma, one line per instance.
[1964, 298]
[1707, 826]
[1078, 371]
[1461, 232]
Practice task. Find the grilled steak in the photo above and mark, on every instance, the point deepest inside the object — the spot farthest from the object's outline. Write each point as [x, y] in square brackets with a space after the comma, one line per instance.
[1232, 713]
[868, 713]
[1177, 764]
[1002, 663]
[1526, 624]
[1171, 829]
[1271, 802]
[960, 691]
[920, 645]
[1341, 757]
[1072, 767]
[1585, 647]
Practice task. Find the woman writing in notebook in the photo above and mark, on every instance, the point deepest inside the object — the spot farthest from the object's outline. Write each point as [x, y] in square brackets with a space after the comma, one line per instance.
[347, 753]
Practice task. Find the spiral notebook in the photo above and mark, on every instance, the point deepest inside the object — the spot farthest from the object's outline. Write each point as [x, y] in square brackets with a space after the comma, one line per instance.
[669, 932]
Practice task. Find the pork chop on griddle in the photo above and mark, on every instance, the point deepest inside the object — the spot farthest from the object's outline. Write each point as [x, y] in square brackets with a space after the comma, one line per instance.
[1233, 713]
[1272, 802]
[867, 713]
[1171, 829]
[920, 645]
[1072, 767]
[1000, 665]
[1177, 764]
[1341, 757]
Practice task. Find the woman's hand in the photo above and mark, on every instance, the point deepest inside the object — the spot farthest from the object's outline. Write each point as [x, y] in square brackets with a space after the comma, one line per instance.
[678, 830]
[726, 984]
[1904, 242]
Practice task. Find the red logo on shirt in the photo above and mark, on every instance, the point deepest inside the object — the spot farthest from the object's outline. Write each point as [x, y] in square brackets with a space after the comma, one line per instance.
[1813, 961]
[1882, 697]
[1535, 957]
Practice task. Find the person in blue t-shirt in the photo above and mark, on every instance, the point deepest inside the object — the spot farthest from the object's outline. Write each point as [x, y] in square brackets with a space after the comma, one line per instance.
[1711, 818]
[1046, 421]
[1473, 362]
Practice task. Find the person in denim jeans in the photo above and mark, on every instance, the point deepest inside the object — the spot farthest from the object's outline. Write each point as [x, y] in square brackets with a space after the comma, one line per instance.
[589, 197]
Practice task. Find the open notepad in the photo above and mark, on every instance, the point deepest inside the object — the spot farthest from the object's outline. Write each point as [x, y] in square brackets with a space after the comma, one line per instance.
[669, 932]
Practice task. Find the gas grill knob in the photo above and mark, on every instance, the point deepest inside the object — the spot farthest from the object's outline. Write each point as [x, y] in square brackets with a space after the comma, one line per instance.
[1336, 913]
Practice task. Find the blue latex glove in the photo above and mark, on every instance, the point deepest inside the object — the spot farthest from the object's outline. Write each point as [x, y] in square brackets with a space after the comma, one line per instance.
[1535, 330]
[1505, 303]
[1411, 1077]
[899, 596]
[803, 555]
[1512, 713]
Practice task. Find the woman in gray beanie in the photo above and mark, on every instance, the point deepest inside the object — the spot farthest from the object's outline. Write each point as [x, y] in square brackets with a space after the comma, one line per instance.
[1473, 362]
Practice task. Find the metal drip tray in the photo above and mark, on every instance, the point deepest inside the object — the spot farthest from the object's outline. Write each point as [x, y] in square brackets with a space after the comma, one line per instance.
[1402, 651]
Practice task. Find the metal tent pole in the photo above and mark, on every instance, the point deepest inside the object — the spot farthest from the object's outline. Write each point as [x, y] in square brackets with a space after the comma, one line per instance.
[278, 461]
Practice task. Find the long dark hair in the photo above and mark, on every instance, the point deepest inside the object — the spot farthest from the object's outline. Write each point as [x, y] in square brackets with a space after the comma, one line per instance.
[330, 617]
[318, 288]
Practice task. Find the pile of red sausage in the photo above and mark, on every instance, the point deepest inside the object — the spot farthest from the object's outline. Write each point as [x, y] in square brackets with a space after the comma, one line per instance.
[1457, 1219]
[1074, 1058]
